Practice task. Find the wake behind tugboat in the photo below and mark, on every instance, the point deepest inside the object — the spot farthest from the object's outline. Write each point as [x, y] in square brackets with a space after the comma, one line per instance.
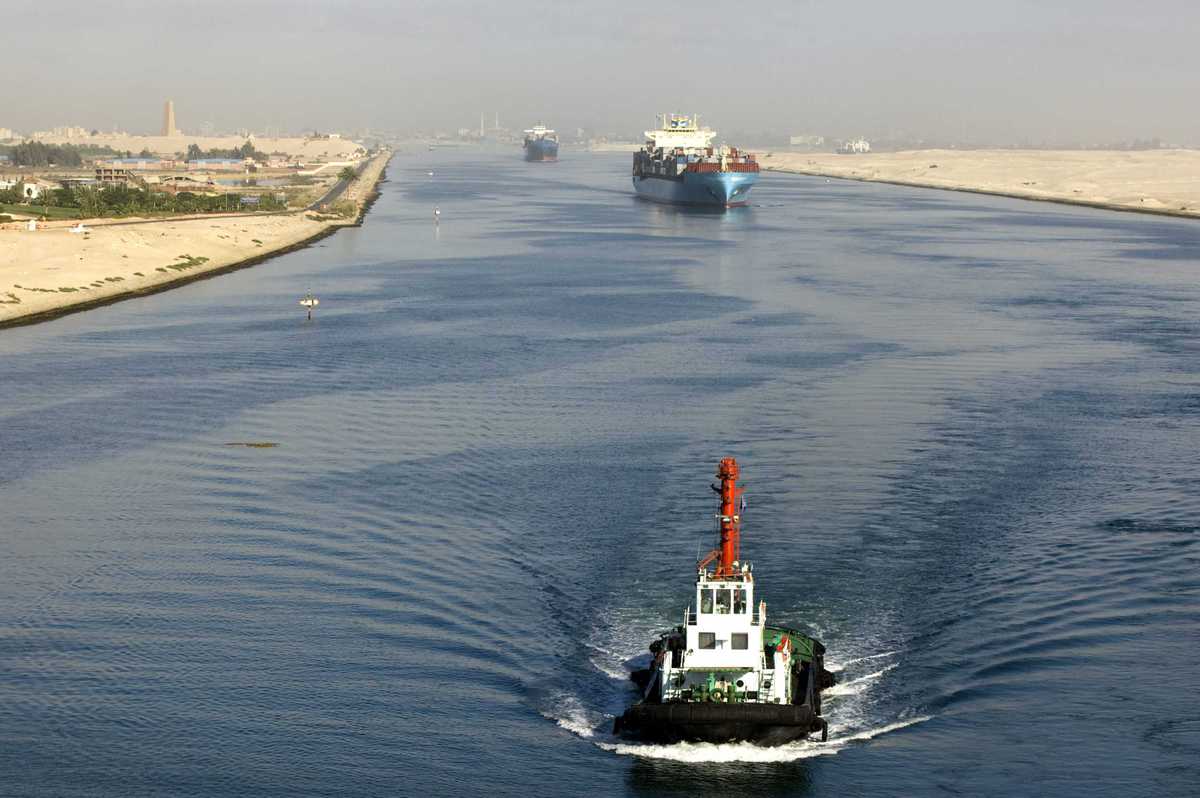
[724, 675]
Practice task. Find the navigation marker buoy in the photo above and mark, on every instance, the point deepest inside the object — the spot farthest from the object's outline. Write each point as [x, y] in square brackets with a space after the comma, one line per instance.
[437, 215]
[310, 302]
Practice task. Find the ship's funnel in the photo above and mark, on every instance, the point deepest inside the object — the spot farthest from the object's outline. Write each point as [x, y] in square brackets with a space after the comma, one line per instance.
[731, 522]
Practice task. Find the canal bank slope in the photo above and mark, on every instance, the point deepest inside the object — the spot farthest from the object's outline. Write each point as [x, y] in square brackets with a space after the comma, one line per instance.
[1149, 181]
[56, 270]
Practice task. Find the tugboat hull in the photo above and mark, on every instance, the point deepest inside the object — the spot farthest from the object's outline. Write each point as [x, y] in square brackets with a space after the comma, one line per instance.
[761, 724]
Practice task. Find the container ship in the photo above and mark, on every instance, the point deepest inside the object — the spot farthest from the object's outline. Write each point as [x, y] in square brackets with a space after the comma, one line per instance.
[679, 165]
[541, 144]
[725, 674]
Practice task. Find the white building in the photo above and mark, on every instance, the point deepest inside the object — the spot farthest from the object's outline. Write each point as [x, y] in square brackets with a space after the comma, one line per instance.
[33, 189]
[858, 146]
[807, 141]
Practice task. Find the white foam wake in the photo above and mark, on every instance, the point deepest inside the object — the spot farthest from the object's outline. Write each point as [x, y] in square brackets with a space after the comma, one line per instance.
[745, 752]
[840, 666]
[726, 752]
[856, 686]
[570, 714]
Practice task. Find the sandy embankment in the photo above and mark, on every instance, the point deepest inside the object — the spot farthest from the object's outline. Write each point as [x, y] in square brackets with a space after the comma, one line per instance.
[53, 270]
[308, 149]
[1158, 181]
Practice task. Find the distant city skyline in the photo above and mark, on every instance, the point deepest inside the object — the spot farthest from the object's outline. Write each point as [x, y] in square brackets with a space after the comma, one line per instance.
[1074, 71]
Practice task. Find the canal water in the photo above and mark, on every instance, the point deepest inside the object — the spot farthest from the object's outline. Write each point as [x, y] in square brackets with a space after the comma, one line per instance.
[969, 430]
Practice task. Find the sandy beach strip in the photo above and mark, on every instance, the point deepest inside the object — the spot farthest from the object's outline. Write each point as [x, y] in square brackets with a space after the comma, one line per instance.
[53, 270]
[1148, 181]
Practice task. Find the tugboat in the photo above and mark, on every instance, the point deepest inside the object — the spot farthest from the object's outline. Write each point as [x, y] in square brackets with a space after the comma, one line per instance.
[679, 165]
[541, 144]
[724, 675]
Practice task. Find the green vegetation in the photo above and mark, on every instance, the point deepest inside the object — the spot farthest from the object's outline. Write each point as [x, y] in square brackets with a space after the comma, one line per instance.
[245, 151]
[38, 209]
[188, 261]
[35, 153]
[347, 173]
[120, 200]
[344, 208]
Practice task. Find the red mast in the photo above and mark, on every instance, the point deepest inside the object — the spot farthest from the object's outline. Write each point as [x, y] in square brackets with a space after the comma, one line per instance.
[731, 522]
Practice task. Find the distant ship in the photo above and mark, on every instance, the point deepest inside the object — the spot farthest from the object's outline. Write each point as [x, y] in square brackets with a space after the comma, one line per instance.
[541, 144]
[679, 165]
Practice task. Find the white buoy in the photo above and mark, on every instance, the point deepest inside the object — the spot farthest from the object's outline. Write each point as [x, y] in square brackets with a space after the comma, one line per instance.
[431, 174]
[437, 215]
[310, 302]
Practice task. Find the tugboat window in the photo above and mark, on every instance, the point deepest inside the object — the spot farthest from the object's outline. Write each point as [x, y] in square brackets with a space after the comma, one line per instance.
[741, 641]
[708, 640]
[723, 602]
[739, 602]
[706, 600]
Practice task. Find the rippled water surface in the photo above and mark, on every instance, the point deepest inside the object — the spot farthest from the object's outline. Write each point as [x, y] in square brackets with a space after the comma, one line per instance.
[968, 429]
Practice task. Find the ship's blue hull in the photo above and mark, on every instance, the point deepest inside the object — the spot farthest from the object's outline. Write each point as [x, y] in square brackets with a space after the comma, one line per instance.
[541, 150]
[714, 189]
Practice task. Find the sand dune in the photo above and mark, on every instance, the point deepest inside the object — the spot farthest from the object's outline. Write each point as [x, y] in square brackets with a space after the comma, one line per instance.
[55, 269]
[1161, 181]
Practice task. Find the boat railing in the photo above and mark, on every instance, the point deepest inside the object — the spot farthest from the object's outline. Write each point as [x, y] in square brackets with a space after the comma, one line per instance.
[689, 617]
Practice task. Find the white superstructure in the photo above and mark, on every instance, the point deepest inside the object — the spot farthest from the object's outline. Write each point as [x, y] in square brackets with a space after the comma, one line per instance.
[680, 132]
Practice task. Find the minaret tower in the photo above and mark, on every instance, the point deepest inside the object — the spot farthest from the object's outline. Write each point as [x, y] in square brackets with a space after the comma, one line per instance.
[168, 128]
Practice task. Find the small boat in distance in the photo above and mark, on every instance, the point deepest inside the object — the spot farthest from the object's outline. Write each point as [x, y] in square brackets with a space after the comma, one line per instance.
[678, 165]
[724, 675]
[541, 144]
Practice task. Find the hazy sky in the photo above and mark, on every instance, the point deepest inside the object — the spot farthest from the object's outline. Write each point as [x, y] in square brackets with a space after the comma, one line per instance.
[1003, 70]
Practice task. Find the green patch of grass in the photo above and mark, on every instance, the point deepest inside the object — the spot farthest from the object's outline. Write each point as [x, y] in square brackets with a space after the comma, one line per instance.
[187, 262]
[37, 210]
[139, 274]
[114, 279]
[67, 289]
[13, 299]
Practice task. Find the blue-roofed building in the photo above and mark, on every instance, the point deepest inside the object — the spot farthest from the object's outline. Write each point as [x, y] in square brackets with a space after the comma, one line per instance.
[218, 164]
[136, 164]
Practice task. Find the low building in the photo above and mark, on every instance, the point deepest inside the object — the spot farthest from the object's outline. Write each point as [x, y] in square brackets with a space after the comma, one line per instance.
[174, 184]
[218, 164]
[115, 175]
[858, 146]
[35, 188]
[807, 142]
[137, 164]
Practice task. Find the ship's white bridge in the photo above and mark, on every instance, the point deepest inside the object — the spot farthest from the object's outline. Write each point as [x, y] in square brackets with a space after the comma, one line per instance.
[723, 656]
